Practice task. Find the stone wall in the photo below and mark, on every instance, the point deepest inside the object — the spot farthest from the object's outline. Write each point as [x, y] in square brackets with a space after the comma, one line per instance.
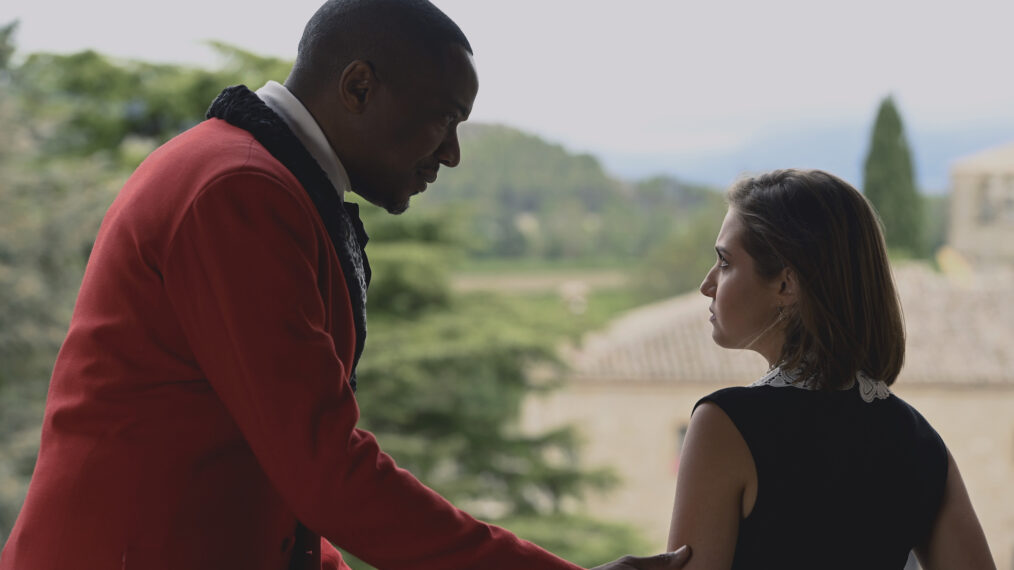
[982, 216]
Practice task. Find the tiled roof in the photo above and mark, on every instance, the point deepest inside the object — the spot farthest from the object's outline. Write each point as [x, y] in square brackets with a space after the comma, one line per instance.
[668, 341]
[960, 331]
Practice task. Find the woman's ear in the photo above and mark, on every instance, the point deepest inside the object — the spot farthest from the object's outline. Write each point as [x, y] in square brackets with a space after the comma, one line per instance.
[788, 287]
[356, 86]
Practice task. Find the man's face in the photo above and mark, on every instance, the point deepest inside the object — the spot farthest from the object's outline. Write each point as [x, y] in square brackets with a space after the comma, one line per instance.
[412, 130]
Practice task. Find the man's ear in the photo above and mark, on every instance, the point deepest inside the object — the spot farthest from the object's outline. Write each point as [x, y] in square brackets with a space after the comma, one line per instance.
[357, 85]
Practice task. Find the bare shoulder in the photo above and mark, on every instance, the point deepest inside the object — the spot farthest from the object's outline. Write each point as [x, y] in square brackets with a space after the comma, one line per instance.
[957, 539]
[711, 424]
[711, 413]
[715, 470]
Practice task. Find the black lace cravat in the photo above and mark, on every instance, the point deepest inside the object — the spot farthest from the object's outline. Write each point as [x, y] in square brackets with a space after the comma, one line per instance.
[352, 209]
[355, 245]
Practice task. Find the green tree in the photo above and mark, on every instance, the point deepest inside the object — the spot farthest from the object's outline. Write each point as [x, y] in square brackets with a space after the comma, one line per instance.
[680, 250]
[889, 182]
[524, 197]
[50, 208]
[679, 263]
[442, 382]
[584, 541]
[73, 126]
[7, 44]
[445, 374]
[936, 212]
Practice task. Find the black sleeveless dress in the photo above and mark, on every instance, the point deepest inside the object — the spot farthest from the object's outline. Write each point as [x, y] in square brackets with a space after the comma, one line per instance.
[846, 479]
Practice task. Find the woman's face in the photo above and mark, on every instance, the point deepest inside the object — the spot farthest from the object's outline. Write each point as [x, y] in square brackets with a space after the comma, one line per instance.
[744, 307]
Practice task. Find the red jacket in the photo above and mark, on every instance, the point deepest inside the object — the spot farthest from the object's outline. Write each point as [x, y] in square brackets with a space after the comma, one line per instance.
[200, 406]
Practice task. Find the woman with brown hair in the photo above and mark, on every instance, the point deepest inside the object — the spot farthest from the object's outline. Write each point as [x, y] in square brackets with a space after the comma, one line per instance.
[817, 464]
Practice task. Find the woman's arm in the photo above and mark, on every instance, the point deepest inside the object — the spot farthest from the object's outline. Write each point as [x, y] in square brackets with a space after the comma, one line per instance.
[957, 540]
[716, 470]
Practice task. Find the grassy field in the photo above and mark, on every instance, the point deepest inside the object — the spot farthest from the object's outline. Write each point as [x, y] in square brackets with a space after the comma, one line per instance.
[566, 318]
[567, 298]
[528, 266]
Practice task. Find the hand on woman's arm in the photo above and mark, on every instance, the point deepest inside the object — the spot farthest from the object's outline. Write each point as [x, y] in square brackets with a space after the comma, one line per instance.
[668, 561]
[715, 470]
[957, 540]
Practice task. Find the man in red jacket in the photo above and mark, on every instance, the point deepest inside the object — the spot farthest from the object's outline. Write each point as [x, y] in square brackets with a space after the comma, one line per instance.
[201, 413]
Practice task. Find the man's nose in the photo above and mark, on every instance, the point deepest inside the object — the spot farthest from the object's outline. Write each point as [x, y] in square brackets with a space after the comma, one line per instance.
[449, 153]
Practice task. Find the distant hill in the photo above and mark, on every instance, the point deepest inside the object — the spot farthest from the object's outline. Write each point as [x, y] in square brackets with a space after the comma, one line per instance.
[523, 196]
[520, 196]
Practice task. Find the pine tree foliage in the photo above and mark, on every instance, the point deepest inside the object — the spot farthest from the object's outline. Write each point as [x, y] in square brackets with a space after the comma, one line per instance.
[889, 182]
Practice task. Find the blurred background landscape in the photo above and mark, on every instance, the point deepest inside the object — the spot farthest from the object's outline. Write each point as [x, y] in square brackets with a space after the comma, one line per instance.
[534, 337]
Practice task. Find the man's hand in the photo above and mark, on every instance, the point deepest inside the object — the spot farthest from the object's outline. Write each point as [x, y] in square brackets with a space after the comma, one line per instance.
[668, 561]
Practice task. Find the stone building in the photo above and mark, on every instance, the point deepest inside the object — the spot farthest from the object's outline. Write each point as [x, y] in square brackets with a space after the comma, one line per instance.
[633, 385]
[982, 206]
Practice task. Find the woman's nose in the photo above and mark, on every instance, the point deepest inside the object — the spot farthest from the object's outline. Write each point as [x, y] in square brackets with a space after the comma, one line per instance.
[708, 286]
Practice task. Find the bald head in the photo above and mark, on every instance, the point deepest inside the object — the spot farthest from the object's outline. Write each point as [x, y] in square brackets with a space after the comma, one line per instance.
[388, 82]
[392, 35]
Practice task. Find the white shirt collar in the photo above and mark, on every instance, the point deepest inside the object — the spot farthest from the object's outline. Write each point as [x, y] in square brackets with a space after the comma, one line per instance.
[279, 99]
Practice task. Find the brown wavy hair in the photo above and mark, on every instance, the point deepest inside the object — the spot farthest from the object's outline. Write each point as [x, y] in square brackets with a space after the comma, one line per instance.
[847, 317]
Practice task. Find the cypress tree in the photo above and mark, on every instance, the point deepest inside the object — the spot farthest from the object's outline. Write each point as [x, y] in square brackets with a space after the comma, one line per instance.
[7, 43]
[889, 182]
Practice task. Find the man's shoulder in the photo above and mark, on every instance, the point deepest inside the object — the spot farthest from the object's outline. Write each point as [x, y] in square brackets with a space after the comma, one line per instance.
[211, 158]
[209, 154]
[217, 143]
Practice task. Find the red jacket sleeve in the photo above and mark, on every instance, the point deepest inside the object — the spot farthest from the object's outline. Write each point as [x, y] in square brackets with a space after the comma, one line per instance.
[242, 273]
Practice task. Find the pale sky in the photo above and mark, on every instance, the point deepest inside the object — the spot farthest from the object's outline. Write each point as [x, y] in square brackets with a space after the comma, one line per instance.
[658, 78]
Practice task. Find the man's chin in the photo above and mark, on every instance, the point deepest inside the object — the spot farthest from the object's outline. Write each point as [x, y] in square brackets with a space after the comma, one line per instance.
[391, 206]
[398, 209]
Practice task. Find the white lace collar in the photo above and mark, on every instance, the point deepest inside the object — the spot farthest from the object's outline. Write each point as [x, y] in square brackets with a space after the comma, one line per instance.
[869, 388]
